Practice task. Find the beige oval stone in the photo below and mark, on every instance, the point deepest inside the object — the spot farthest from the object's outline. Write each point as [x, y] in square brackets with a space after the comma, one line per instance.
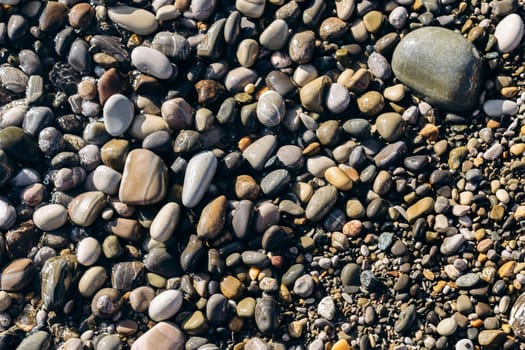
[50, 217]
[338, 178]
[165, 222]
[144, 179]
[395, 93]
[146, 124]
[85, 208]
[135, 20]
[164, 335]
[91, 281]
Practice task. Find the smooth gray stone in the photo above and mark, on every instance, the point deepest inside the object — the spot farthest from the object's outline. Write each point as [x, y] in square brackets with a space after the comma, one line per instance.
[199, 174]
[79, 57]
[151, 62]
[40, 340]
[321, 203]
[258, 152]
[241, 218]
[441, 66]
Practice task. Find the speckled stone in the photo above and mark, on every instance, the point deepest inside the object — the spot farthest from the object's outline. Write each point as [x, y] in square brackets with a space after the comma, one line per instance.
[439, 65]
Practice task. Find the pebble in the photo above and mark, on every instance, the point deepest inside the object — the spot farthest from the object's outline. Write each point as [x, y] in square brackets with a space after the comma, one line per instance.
[251, 8]
[151, 62]
[91, 281]
[17, 275]
[270, 109]
[303, 286]
[165, 222]
[266, 314]
[259, 151]
[88, 251]
[496, 108]
[509, 32]
[118, 114]
[85, 208]
[50, 217]
[198, 177]
[428, 50]
[165, 305]
[447, 326]
[135, 20]
[326, 308]
[321, 203]
[212, 218]
[144, 178]
[162, 335]
[337, 98]
[274, 35]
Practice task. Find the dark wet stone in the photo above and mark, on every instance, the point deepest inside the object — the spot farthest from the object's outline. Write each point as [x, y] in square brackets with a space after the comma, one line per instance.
[53, 16]
[18, 145]
[276, 238]
[405, 320]
[59, 276]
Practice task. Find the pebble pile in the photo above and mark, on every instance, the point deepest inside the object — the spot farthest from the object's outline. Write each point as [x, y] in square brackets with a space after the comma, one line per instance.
[262, 174]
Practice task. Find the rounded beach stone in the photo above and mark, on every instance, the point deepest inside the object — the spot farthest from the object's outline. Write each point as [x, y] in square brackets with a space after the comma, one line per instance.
[144, 179]
[197, 179]
[270, 109]
[164, 224]
[88, 251]
[165, 305]
[509, 32]
[135, 20]
[118, 114]
[50, 217]
[151, 62]
[441, 66]
[164, 335]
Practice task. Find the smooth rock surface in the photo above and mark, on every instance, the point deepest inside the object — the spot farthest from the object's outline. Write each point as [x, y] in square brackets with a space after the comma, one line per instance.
[441, 66]
[198, 177]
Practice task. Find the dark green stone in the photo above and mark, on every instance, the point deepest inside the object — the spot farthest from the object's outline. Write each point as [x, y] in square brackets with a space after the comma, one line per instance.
[19, 145]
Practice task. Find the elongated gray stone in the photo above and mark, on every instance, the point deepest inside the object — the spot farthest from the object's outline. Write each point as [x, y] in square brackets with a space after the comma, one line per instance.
[197, 179]
[151, 62]
[439, 65]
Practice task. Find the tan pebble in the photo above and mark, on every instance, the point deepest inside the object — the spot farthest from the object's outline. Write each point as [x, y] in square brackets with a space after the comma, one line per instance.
[312, 149]
[352, 228]
[246, 187]
[520, 212]
[244, 142]
[429, 131]
[517, 149]
[87, 89]
[509, 92]
[493, 124]
[341, 345]
[338, 178]
[371, 103]
[394, 93]
[507, 269]
[303, 190]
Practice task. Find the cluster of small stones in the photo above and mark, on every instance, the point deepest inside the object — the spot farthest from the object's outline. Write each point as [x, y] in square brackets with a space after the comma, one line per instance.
[262, 174]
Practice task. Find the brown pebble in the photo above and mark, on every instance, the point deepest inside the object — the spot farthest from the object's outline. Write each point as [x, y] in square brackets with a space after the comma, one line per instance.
[81, 15]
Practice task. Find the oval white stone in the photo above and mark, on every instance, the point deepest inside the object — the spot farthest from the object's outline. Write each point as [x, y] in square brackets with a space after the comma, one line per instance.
[50, 217]
[509, 32]
[165, 305]
[165, 222]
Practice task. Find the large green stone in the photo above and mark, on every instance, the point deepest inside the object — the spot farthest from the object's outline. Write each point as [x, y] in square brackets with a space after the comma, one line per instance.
[19, 145]
[439, 65]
